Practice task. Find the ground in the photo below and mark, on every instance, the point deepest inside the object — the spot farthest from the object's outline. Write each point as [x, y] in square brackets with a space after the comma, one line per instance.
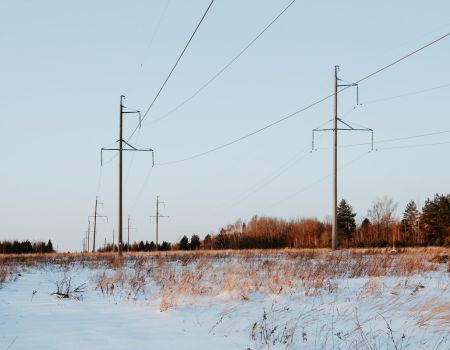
[226, 300]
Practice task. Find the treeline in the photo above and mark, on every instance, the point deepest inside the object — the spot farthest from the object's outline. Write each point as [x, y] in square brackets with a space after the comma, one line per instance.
[25, 247]
[137, 247]
[429, 226]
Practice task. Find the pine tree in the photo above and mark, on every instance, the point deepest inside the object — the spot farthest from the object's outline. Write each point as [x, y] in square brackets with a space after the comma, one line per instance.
[436, 219]
[195, 242]
[48, 247]
[184, 243]
[346, 220]
[409, 222]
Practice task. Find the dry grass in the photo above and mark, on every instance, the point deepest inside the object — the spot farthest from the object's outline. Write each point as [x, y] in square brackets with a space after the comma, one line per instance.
[236, 274]
[4, 272]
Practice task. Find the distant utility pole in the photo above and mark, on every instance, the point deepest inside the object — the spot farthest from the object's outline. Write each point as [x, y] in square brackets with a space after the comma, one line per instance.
[96, 215]
[88, 234]
[121, 142]
[157, 216]
[335, 129]
[128, 231]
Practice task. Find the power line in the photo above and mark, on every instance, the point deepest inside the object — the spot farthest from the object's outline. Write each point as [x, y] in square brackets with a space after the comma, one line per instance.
[415, 146]
[150, 44]
[156, 29]
[307, 187]
[302, 155]
[403, 58]
[292, 162]
[304, 108]
[173, 68]
[406, 94]
[224, 68]
[390, 140]
[303, 189]
[247, 135]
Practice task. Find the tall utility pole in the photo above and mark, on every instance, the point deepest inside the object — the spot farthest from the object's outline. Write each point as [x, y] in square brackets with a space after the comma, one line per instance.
[335, 129]
[96, 215]
[334, 238]
[157, 216]
[120, 149]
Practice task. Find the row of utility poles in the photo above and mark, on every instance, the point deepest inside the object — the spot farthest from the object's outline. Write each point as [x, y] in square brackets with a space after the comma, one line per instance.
[338, 125]
[86, 238]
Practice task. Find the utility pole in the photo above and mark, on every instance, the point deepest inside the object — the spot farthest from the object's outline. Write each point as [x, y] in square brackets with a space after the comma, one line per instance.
[88, 233]
[128, 231]
[96, 215]
[157, 216]
[334, 238]
[335, 129]
[120, 149]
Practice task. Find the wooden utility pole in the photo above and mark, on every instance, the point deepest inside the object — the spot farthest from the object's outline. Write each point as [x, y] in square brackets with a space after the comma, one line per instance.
[120, 173]
[157, 216]
[120, 149]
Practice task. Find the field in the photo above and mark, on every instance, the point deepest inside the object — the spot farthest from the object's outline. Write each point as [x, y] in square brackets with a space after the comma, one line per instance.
[285, 299]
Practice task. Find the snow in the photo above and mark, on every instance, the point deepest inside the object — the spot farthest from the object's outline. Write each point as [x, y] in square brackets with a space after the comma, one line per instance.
[349, 313]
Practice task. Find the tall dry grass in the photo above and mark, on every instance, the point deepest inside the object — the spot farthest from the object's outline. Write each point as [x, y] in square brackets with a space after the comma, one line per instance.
[176, 275]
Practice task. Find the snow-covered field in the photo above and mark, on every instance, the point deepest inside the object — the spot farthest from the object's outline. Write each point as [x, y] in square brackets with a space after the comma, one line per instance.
[274, 300]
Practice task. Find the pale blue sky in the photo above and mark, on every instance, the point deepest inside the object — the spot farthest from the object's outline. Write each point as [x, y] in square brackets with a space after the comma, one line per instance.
[64, 65]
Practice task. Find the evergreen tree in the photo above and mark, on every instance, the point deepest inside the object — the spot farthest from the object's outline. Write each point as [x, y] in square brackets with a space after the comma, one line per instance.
[195, 242]
[165, 246]
[48, 247]
[184, 243]
[436, 219]
[409, 221]
[346, 220]
[207, 242]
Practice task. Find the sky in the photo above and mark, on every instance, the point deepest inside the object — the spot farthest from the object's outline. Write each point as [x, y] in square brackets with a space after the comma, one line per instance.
[65, 64]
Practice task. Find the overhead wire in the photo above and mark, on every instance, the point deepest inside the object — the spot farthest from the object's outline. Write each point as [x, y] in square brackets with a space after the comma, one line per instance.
[414, 146]
[299, 156]
[403, 138]
[305, 188]
[257, 131]
[173, 68]
[294, 160]
[383, 99]
[150, 44]
[225, 67]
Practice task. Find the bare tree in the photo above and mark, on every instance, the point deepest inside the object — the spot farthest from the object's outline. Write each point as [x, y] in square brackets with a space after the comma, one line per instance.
[382, 215]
